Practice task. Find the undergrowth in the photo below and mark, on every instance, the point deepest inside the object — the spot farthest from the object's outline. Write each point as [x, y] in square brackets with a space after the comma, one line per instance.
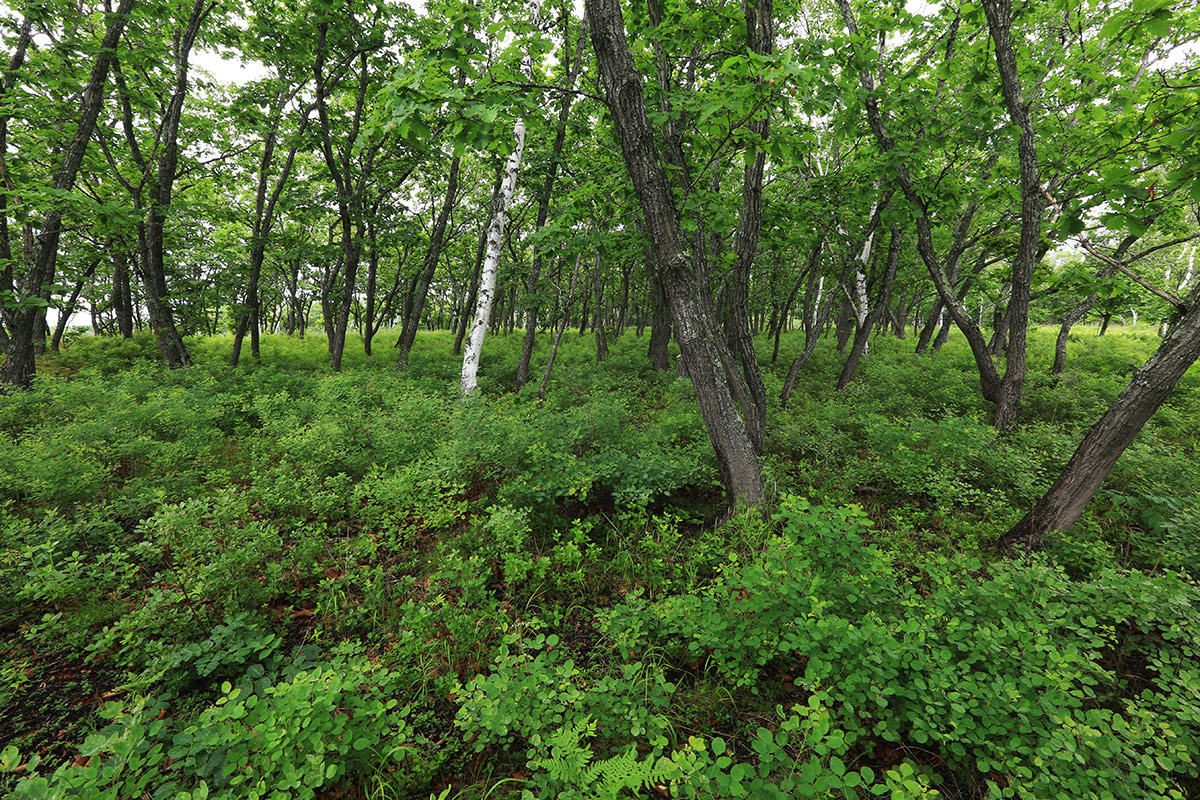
[279, 582]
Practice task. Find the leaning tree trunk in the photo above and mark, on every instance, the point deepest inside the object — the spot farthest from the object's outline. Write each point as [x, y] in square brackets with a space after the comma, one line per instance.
[1102, 446]
[463, 316]
[491, 262]
[68, 308]
[566, 320]
[694, 320]
[264, 219]
[18, 367]
[170, 343]
[877, 312]
[414, 305]
[813, 323]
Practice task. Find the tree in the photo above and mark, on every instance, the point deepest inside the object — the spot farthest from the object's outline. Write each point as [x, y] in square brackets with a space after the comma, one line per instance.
[692, 315]
[32, 294]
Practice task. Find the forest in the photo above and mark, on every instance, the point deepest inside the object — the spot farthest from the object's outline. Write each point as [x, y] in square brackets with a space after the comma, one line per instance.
[479, 399]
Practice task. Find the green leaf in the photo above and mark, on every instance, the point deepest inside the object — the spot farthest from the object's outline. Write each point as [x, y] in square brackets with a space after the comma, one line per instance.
[1115, 25]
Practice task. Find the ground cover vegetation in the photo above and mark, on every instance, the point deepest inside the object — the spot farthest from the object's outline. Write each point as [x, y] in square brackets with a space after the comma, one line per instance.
[281, 582]
[685, 399]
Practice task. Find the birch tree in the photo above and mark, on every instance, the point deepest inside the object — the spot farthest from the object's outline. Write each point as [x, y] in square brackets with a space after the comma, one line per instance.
[469, 382]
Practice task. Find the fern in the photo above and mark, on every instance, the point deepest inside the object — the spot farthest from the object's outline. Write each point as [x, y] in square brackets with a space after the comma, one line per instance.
[571, 767]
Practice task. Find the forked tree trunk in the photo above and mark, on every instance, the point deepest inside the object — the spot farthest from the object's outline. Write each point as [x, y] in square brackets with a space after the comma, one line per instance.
[814, 322]
[566, 320]
[24, 322]
[560, 138]
[414, 305]
[863, 332]
[68, 308]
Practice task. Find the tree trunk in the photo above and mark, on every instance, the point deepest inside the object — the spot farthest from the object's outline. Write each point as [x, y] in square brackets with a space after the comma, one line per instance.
[814, 322]
[811, 295]
[480, 250]
[844, 327]
[694, 320]
[18, 368]
[68, 308]
[880, 308]
[760, 39]
[368, 314]
[264, 220]
[660, 326]
[560, 136]
[566, 320]
[598, 326]
[491, 261]
[1064, 331]
[415, 302]
[1096, 455]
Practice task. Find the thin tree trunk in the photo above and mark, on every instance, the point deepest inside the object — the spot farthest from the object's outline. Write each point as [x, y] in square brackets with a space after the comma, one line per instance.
[566, 320]
[19, 366]
[598, 325]
[480, 251]
[560, 137]
[264, 220]
[877, 312]
[813, 324]
[813, 275]
[415, 303]
[68, 308]
[491, 262]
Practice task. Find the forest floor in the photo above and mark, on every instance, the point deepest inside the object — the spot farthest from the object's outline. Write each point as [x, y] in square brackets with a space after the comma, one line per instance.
[280, 582]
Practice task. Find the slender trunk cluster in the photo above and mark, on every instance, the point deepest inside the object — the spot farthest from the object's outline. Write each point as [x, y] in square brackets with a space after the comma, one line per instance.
[25, 323]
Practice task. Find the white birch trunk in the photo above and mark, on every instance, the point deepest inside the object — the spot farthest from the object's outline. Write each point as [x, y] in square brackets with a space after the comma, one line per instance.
[491, 260]
[815, 310]
[862, 307]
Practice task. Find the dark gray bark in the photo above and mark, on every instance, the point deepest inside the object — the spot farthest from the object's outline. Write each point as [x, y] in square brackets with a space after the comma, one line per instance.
[68, 308]
[1104, 443]
[7, 82]
[558, 334]
[415, 302]
[264, 220]
[816, 315]
[122, 296]
[760, 38]
[598, 324]
[23, 322]
[572, 68]
[694, 319]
